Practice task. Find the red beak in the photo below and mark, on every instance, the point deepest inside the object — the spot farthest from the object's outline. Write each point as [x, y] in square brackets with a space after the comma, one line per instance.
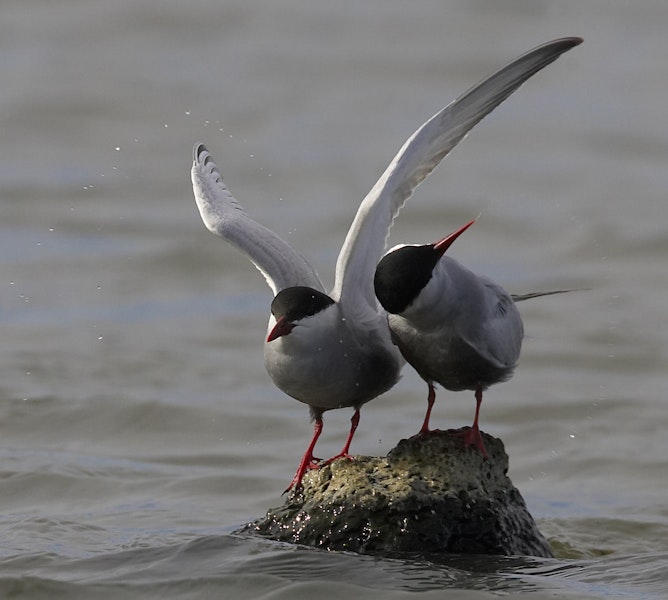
[442, 245]
[282, 327]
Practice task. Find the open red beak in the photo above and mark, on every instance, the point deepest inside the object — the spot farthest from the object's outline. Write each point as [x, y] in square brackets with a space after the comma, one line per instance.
[282, 327]
[442, 245]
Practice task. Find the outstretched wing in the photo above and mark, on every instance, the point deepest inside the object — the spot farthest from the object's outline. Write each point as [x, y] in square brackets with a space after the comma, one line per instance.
[365, 242]
[281, 265]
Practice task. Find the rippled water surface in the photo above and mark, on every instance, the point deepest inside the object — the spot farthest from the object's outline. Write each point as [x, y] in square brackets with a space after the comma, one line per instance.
[138, 428]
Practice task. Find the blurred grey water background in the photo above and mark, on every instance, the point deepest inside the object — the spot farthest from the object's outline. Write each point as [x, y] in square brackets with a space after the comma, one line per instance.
[138, 427]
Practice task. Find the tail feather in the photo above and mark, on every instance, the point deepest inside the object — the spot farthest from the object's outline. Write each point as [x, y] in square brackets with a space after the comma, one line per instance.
[530, 295]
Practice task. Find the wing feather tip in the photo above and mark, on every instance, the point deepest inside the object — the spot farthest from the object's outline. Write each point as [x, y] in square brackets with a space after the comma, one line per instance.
[573, 40]
[198, 150]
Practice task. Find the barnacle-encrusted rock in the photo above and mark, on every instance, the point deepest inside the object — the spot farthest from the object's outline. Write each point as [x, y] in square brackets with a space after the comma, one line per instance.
[429, 495]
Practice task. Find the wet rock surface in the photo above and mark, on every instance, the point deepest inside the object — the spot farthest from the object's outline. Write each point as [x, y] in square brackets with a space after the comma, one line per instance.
[429, 495]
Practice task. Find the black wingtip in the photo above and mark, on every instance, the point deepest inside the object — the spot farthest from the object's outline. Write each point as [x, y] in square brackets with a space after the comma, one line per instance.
[564, 44]
[571, 41]
[555, 48]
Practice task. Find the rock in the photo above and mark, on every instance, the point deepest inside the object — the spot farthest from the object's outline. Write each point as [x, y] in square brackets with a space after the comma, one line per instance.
[430, 495]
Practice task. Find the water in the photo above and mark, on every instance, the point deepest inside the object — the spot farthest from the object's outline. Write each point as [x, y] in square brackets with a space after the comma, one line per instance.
[138, 428]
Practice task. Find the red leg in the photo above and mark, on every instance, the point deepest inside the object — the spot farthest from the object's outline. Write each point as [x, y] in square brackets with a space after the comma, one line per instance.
[472, 437]
[431, 397]
[308, 461]
[354, 422]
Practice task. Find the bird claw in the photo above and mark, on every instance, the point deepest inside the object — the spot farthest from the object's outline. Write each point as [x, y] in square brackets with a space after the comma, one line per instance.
[344, 455]
[472, 437]
[423, 433]
[307, 464]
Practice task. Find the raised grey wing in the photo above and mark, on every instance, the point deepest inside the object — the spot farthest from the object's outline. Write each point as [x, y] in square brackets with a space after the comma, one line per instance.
[281, 265]
[365, 242]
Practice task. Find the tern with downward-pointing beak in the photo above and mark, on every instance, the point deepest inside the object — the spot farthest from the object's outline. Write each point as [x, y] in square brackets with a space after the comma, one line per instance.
[334, 350]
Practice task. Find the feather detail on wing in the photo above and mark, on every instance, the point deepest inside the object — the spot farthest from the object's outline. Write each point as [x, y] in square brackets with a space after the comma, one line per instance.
[281, 265]
[498, 336]
[422, 152]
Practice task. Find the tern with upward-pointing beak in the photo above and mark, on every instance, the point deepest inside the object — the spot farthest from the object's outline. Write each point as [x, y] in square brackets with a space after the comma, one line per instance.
[334, 350]
[454, 327]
